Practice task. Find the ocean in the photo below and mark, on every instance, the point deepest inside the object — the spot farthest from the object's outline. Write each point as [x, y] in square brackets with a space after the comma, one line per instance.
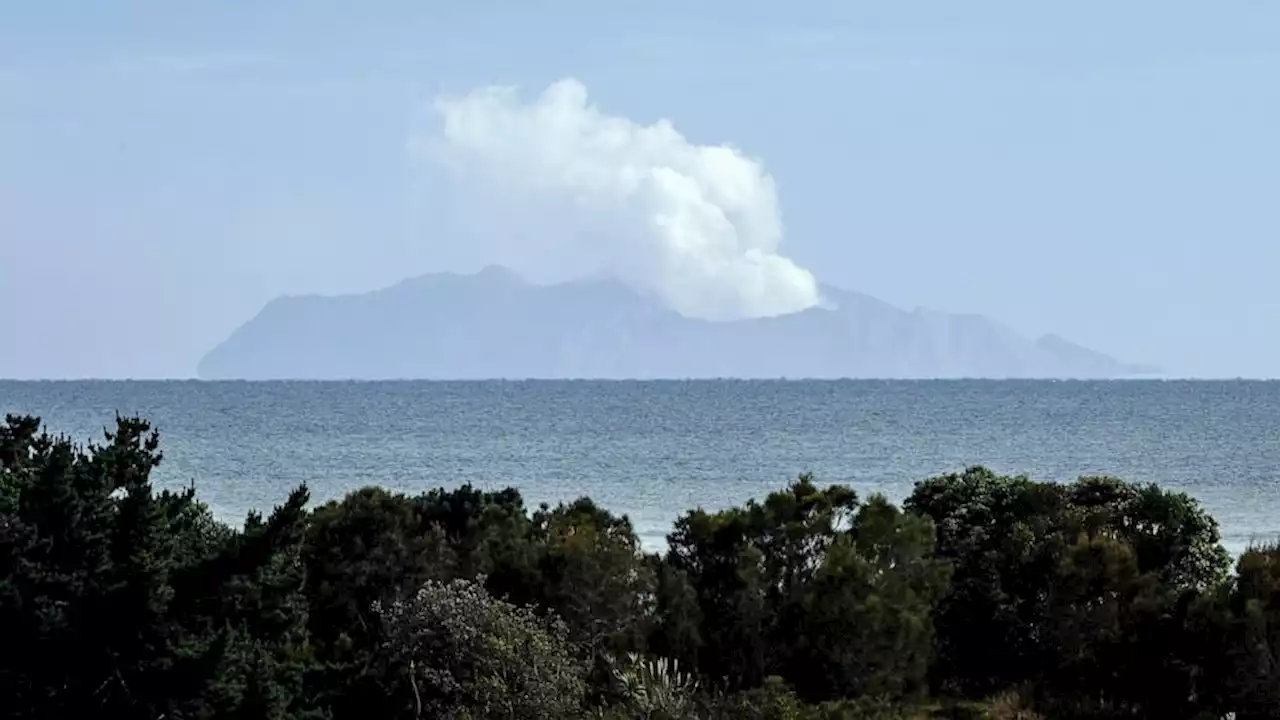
[652, 450]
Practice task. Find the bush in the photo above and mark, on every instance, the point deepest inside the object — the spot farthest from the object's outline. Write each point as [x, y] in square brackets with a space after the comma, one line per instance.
[1094, 599]
[653, 689]
[458, 652]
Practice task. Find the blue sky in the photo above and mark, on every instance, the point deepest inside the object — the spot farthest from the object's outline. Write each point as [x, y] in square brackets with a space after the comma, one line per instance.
[1105, 171]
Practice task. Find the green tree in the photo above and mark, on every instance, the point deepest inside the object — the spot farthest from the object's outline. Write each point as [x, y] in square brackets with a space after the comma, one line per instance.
[377, 547]
[1000, 535]
[1170, 533]
[116, 600]
[1072, 587]
[488, 533]
[372, 547]
[592, 573]
[1252, 685]
[458, 652]
[863, 627]
[833, 596]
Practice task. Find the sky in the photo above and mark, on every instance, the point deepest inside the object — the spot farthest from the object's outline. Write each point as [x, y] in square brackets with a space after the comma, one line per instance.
[1104, 171]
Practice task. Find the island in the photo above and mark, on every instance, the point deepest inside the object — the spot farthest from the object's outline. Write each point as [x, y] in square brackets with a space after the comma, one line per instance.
[493, 324]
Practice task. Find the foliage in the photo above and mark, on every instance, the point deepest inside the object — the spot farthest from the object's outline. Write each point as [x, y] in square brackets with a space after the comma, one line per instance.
[832, 596]
[1086, 590]
[654, 688]
[116, 600]
[1252, 619]
[984, 596]
[461, 653]
[372, 547]
[593, 574]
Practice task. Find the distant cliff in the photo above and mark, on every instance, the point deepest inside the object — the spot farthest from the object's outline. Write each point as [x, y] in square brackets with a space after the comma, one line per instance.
[494, 325]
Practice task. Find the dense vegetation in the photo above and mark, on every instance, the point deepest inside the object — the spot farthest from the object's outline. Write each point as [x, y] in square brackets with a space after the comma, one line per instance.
[983, 596]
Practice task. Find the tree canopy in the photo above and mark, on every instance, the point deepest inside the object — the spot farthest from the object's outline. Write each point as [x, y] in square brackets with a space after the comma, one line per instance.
[981, 596]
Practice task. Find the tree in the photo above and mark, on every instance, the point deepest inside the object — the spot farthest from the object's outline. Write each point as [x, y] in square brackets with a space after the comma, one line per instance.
[488, 533]
[1094, 599]
[999, 534]
[1170, 533]
[458, 652]
[372, 547]
[832, 596]
[1071, 587]
[1252, 685]
[116, 600]
[863, 625]
[593, 574]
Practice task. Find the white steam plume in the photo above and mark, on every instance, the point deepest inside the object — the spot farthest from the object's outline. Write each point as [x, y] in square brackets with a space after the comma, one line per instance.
[696, 225]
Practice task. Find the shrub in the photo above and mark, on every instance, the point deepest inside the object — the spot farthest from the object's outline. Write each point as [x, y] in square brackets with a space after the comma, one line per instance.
[455, 651]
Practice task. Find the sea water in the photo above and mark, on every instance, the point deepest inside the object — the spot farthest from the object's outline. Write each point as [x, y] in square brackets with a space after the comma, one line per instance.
[653, 450]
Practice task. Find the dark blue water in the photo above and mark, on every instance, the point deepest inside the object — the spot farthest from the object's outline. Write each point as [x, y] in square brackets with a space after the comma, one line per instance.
[654, 449]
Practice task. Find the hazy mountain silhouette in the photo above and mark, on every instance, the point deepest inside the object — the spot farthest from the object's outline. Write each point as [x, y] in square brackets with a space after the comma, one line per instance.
[495, 325]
